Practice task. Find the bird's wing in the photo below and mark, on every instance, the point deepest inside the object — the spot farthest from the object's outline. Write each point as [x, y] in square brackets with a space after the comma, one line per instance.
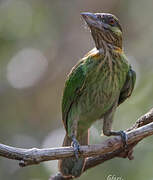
[72, 90]
[128, 87]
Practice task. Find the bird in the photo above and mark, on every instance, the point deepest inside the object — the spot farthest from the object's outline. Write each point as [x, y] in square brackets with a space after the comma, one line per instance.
[99, 82]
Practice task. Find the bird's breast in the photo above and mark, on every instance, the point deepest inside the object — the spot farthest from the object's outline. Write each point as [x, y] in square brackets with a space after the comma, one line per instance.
[101, 90]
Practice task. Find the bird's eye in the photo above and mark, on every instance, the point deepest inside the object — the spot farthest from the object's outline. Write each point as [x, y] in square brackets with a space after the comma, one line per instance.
[112, 22]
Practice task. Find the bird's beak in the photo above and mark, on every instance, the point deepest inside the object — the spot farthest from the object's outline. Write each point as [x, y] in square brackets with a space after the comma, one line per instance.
[88, 17]
[93, 21]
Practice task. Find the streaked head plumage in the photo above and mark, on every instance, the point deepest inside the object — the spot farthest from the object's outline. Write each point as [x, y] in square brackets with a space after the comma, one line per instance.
[106, 26]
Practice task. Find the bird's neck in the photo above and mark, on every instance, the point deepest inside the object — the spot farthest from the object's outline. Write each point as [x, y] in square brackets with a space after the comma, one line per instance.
[103, 43]
[107, 48]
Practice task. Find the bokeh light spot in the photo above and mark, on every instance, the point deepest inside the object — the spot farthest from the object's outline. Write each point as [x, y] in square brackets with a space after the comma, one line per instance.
[26, 68]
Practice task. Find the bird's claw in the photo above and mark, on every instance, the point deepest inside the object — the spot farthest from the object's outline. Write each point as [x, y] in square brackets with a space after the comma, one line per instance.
[76, 147]
[124, 139]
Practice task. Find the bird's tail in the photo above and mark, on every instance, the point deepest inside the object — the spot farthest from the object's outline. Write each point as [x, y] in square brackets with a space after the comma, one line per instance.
[71, 166]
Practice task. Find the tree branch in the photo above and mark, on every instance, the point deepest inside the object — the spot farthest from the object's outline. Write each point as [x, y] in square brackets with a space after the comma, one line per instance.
[109, 149]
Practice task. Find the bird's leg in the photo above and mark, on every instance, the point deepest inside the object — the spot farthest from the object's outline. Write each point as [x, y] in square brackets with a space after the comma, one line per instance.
[107, 125]
[73, 134]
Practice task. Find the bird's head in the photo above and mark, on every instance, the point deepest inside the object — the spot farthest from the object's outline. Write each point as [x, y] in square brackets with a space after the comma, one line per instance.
[105, 28]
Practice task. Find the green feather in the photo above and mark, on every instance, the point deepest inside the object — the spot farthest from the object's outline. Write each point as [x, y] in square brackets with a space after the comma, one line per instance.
[91, 89]
[72, 88]
[128, 86]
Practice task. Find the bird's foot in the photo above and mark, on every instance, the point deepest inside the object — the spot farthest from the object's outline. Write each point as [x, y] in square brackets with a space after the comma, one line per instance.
[123, 136]
[76, 147]
[127, 150]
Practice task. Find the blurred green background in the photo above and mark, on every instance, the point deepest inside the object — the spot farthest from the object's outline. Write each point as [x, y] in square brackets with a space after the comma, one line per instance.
[40, 41]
